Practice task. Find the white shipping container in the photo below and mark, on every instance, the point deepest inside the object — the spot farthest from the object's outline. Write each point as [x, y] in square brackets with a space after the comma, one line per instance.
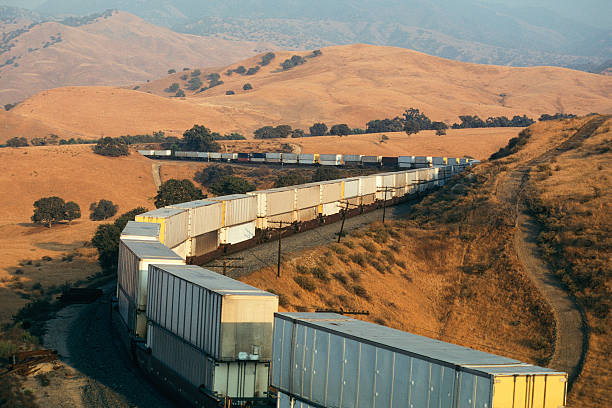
[237, 208]
[205, 243]
[204, 216]
[237, 233]
[351, 158]
[367, 185]
[405, 165]
[438, 161]
[371, 159]
[350, 188]
[330, 159]
[183, 249]
[307, 214]
[273, 157]
[307, 195]
[146, 152]
[405, 159]
[274, 201]
[304, 158]
[174, 224]
[289, 158]
[229, 156]
[225, 318]
[236, 379]
[331, 191]
[214, 155]
[144, 231]
[330, 208]
[162, 153]
[385, 185]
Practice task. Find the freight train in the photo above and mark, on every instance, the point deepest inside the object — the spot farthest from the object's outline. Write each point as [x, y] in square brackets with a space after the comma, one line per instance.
[215, 341]
[312, 159]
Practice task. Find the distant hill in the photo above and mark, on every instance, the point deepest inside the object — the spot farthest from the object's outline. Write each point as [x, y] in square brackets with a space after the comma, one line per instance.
[517, 33]
[345, 84]
[109, 48]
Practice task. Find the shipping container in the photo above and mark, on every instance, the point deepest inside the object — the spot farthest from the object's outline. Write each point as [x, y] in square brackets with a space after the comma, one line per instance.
[307, 214]
[243, 157]
[204, 216]
[351, 159]
[202, 155]
[331, 191]
[350, 187]
[162, 153]
[225, 318]
[389, 161]
[330, 159]
[214, 155]
[451, 161]
[463, 160]
[289, 158]
[174, 224]
[437, 161]
[236, 234]
[235, 379]
[277, 204]
[190, 155]
[385, 186]
[371, 160]
[204, 244]
[133, 271]
[183, 249]
[330, 208]
[143, 231]
[258, 157]
[273, 157]
[286, 401]
[237, 208]
[330, 360]
[405, 165]
[307, 195]
[229, 156]
[405, 159]
[367, 185]
[306, 158]
[146, 152]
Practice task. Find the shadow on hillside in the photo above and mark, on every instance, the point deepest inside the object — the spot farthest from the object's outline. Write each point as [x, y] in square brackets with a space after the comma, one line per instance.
[60, 246]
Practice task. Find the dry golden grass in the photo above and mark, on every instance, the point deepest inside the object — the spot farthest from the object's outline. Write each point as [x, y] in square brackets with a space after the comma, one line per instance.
[574, 192]
[348, 84]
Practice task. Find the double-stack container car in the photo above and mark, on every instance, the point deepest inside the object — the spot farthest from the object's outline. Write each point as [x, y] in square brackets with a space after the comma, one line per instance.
[328, 360]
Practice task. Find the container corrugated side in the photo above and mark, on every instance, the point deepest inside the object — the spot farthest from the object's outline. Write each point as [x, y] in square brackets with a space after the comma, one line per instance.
[162, 153]
[330, 208]
[286, 401]
[205, 243]
[174, 224]
[331, 191]
[307, 214]
[305, 158]
[385, 185]
[204, 216]
[225, 318]
[238, 208]
[351, 188]
[333, 361]
[289, 158]
[243, 379]
[214, 155]
[405, 159]
[438, 161]
[371, 159]
[351, 158]
[367, 185]
[307, 196]
[146, 152]
[274, 201]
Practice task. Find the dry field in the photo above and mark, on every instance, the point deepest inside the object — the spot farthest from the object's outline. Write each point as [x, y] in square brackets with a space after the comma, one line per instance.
[347, 84]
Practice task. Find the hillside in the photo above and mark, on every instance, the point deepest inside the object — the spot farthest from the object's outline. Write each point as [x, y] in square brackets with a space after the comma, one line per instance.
[116, 48]
[461, 248]
[346, 84]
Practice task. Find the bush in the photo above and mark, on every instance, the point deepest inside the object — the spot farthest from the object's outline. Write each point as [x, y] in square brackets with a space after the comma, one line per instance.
[290, 178]
[305, 283]
[359, 258]
[267, 58]
[230, 92]
[195, 73]
[102, 210]
[17, 142]
[252, 70]
[297, 133]
[320, 273]
[326, 173]
[171, 71]
[108, 146]
[194, 83]
[247, 87]
[172, 88]
[180, 94]
[176, 191]
[318, 129]
[231, 185]
[210, 174]
[294, 61]
[361, 292]
[270, 132]
[369, 246]
[340, 130]
[340, 277]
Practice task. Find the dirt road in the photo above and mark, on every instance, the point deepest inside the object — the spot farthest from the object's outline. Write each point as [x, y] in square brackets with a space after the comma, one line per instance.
[571, 341]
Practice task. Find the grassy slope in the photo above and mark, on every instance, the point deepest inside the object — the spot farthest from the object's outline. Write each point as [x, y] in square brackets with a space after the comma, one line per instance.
[346, 84]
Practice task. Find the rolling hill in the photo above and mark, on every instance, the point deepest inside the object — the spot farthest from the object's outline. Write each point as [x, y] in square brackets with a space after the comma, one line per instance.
[346, 84]
[111, 48]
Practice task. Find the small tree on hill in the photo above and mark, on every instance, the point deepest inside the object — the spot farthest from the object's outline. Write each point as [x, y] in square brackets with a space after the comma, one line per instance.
[318, 129]
[247, 87]
[172, 88]
[231, 185]
[412, 126]
[73, 211]
[440, 132]
[180, 93]
[49, 210]
[176, 191]
[108, 146]
[171, 71]
[102, 210]
[340, 130]
[210, 174]
[17, 142]
[200, 138]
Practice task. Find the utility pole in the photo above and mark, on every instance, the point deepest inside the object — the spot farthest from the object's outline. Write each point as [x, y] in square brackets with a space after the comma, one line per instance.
[280, 235]
[344, 218]
[227, 266]
[385, 189]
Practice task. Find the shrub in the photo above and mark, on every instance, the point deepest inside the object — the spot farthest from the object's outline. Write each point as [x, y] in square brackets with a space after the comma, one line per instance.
[108, 146]
[301, 269]
[349, 244]
[176, 191]
[195, 73]
[290, 178]
[247, 87]
[194, 83]
[270, 132]
[208, 175]
[283, 300]
[369, 246]
[172, 88]
[17, 142]
[230, 92]
[359, 258]
[267, 58]
[378, 266]
[356, 276]
[361, 292]
[171, 71]
[340, 130]
[338, 249]
[318, 129]
[340, 277]
[320, 273]
[252, 70]
[180, 94]
[102, 210]
[231, 185]
[305, 283]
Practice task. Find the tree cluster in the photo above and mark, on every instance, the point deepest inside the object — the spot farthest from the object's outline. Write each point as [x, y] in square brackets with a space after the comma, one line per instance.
[199, 139]
[267, 58]
[102, 210]
[318, 129]
[109, 146]
[17, 142]
[50, 140]
[271, 132]
[210, 174]
[294, 61]
[340, 130]
[326, 173]
[544, 117]
[468, 121]
[176, 191]
[51, 210]
[385, 125]
[231, 185]
[247, 87]
[290, 178]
